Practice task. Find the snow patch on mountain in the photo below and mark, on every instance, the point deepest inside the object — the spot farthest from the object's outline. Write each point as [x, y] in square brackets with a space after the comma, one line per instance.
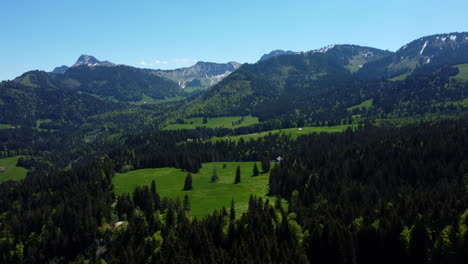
[324, 49]
[424, 47]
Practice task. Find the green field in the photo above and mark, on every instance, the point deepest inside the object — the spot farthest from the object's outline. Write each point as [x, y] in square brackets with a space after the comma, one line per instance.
[365, 104]
[6, 126]
[215, 122]
[205, 196]
[399, 77]
[14, 173]
[26, 81]
[293, 132]
[193, 89]
[145, 99]
[462, 74]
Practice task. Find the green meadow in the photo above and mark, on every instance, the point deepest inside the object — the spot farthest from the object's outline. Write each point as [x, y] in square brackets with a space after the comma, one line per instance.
[399, 77]
[6, 126]
[462, 74]
[365, 104]
[293, 132]
[14, 173]
[215, 122]
[205, 196]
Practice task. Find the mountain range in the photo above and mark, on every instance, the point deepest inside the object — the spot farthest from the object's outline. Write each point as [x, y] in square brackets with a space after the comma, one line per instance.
[201, 75]
[316, 85]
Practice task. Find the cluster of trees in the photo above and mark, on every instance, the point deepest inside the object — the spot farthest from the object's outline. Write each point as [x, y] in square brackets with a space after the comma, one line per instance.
[381, 195]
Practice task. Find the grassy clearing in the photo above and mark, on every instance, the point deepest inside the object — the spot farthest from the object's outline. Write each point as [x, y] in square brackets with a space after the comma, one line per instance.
[14, 173]
[44, 121]
[6, 126]
[462, 74]
[215, 122]
[205, 196]
[148, 100]
[365, 104]
[399, 77]
[26, 81]
[194, 89]
[352, 68]
[293, 132]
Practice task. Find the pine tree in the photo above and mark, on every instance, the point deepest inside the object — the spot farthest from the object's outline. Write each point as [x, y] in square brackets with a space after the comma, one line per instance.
[155, 196]
[232, 214]
[265, 165]
[186, 203]
[215, 177]
[188, 182]
[238, 175]
[255, 170]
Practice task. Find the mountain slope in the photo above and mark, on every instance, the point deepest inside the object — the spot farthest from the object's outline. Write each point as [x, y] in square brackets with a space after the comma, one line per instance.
[123, 83]
[426, 52]
[263, 87]
[202, 74]
[60, 70]
[276, 53]
[22, 104]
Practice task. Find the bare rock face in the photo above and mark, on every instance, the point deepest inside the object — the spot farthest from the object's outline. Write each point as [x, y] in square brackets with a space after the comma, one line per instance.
[202, 74]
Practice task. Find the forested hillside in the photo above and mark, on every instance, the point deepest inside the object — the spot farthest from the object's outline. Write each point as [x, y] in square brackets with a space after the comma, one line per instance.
[26, 104]
[342, 203]
[122, 83]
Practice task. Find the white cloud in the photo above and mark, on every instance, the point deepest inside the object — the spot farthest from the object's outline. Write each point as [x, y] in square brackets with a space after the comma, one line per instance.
[153, 63]
[184, 61]
[157, 62]
[181, 62]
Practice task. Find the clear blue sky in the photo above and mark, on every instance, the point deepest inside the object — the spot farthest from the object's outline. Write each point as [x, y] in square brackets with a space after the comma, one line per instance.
[175, 33]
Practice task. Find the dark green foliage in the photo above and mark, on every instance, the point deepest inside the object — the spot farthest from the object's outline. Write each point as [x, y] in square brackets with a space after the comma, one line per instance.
[122, 82]
[188, 182]
[265, 165]
[61, 219]
[186, 203]
[232, 212]
[255, 170]
[238, 175]
[24, 105]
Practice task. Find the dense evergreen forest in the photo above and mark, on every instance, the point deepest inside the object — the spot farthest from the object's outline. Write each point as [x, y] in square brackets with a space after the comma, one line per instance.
[376, 194]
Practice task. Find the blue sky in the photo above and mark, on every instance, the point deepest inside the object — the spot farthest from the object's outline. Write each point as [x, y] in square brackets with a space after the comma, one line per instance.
[176, 33]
